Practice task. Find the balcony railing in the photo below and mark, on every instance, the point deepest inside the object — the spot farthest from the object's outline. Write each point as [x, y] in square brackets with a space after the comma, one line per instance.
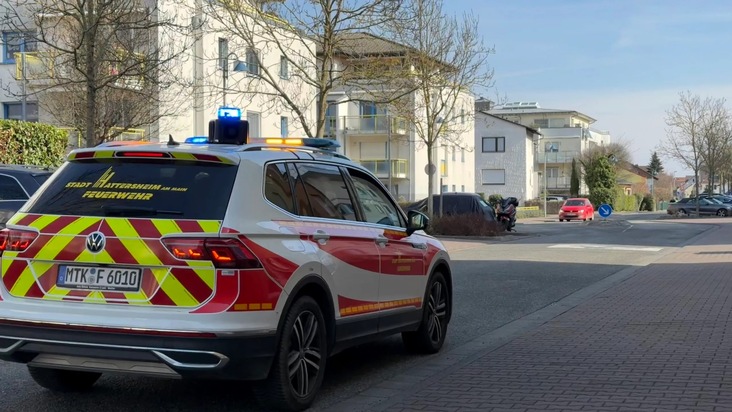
[369, 124]
[557, 182]
[380, 167]
[557, 157]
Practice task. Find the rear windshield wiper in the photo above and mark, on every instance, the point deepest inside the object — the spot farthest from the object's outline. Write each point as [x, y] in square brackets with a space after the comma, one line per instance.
[130, 211]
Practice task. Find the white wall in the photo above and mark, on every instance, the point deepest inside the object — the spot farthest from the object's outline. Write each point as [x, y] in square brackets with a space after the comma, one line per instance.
[517, 161]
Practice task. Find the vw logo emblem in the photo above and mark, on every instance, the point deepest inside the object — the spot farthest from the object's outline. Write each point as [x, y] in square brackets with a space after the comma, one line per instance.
[95, 242]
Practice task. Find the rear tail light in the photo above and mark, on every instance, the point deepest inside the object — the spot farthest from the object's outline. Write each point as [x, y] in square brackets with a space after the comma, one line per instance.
[226, 253]
[13, 240]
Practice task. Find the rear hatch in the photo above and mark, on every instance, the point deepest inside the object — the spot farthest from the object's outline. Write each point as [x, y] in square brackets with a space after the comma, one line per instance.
[121, 229]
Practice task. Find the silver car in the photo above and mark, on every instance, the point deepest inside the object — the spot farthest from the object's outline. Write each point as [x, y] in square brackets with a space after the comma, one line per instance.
[688, 206]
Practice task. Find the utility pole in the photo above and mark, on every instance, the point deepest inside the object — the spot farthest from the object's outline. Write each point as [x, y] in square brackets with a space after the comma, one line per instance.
[24, 104]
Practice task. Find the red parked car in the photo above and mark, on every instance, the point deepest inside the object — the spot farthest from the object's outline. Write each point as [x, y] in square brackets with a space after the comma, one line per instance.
[575, 209]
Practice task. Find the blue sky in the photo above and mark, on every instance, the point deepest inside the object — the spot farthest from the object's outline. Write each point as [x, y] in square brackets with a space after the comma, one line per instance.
[623, 62]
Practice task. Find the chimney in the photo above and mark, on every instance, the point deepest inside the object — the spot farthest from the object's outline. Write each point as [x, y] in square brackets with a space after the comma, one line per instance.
[483, 105]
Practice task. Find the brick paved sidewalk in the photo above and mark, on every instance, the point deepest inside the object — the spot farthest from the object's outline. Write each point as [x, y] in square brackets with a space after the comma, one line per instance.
[659, 340]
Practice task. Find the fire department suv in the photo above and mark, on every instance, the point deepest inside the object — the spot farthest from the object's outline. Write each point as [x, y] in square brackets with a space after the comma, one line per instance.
[227, 260]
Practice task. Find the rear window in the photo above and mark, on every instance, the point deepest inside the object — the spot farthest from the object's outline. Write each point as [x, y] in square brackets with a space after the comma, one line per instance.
[138, 188]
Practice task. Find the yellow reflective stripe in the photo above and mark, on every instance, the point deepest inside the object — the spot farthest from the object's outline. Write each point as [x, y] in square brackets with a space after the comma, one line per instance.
[56, 293]
[137, 298]
[54, 246]
[104, 154]
[166, 226]
[44, 221]
[175, 291]
[101, 257]
[95, 296]
[183, 156]
[78, 225]
[210, 226]
[24, 283]
[208, 276]
[122, 228]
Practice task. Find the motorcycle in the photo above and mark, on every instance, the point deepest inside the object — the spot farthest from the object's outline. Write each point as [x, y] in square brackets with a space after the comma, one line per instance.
[506, 213]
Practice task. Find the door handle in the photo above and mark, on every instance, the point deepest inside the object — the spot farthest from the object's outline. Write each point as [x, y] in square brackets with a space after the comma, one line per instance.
[381, 240]
[321, 236]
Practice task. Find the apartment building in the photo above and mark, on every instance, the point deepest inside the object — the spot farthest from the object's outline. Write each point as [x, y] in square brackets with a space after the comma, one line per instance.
[214, 68]
[376, 136]
[565, 135]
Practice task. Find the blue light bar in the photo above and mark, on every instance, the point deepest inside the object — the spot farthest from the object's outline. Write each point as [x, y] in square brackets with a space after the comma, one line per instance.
[197, 140]
[229, 113]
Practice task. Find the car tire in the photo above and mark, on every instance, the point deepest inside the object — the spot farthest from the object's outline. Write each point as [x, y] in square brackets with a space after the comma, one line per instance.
[436, 310]
[62, 380]
[722, 212]
[681, 212]
[301, 352]
[561, 220]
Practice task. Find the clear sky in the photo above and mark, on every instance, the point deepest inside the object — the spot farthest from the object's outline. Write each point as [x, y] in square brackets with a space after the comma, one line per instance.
[622, 62]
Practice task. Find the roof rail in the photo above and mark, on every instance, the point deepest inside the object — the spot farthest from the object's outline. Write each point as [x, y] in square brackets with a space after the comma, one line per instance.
[309, 149]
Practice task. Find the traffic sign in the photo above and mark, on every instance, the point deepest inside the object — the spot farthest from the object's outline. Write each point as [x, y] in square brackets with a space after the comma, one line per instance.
[604, 210]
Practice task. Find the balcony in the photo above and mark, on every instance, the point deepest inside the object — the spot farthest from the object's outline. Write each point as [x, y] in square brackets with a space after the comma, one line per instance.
[557, 157]
[557, 183]
[38, 65]
[365, 125]
[380, 167]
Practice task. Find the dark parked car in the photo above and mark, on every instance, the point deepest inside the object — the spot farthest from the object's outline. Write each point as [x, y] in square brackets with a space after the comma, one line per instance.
[17, 185]
[457, 204]
[687, 206]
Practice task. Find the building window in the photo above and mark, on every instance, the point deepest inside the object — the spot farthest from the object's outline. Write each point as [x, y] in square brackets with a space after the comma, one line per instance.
[14, 111]
[462, 188]
[284, 68]
[13, 42]
[284, 132]
[223, 54]
[551, 147]
[541, 122]
[462, 155]
[462, 116]
[444, 189]
[453, 188]
[443, 168]
[252, 62]
[454, 149]
[254, 126]
[493, 176]
[494, 144]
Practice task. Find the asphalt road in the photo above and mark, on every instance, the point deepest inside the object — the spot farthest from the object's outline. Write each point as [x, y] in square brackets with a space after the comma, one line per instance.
[496, 281]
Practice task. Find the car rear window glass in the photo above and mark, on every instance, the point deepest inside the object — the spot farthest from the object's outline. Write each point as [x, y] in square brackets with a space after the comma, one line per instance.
[10, 189]
[574, 203]
[138, 188]
[326, 191]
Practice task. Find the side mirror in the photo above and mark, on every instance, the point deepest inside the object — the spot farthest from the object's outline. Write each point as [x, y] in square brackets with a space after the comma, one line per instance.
[416, 221]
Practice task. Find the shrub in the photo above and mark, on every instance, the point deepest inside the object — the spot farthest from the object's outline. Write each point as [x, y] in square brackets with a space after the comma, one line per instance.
[523, 214]
[494, 200]
[30, 143]
[463, 225]
[602, 195]
[649, 203]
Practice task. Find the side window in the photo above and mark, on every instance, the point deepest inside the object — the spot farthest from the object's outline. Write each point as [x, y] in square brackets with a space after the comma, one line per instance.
[326, 191]
[376, 205]
[10, 189]
[302, 204]
[277, 187]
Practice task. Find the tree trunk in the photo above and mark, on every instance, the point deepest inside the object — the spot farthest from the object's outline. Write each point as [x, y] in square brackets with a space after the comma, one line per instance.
[91, 74]
[430, 181]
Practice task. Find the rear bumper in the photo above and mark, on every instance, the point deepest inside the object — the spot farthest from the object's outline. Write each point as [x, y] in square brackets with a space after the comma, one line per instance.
[174, 356]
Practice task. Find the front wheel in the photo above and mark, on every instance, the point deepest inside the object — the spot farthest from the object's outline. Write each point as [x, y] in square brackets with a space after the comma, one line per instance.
[299, 365]
[722, 212]
[430, 336]
[61, 380]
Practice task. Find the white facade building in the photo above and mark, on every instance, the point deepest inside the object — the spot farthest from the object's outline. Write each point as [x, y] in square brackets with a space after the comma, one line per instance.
[189, 106]
[505, 158]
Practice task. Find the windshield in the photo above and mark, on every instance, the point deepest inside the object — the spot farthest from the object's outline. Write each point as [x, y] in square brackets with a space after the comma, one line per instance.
[137, 188]
[574, 203]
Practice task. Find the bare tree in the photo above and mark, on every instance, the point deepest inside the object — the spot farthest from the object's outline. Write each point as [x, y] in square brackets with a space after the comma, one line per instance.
[447, 61]
[291, 49]
[716, 138]
[685, 132]
[102, 66]
[617, 152]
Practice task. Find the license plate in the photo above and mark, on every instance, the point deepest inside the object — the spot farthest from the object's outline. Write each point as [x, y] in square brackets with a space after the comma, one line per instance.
[99, 278]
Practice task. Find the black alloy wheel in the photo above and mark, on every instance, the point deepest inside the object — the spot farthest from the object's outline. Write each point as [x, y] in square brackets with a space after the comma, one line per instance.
[436, 309]
[299, 366]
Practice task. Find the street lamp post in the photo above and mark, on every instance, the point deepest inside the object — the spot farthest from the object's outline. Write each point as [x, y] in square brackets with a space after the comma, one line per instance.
[225, 68]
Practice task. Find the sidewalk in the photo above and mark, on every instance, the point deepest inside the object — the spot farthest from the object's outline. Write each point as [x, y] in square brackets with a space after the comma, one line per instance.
[657, 338]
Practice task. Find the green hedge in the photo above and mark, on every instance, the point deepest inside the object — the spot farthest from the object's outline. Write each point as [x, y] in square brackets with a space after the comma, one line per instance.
[28, 143]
